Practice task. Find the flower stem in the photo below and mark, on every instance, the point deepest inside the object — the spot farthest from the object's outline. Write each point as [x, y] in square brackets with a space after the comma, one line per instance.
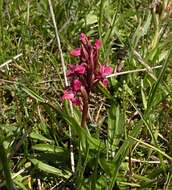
[85, 107]
[4, 160]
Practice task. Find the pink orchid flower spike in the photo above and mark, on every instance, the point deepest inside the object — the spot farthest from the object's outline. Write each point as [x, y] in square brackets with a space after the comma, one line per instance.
[86, 74]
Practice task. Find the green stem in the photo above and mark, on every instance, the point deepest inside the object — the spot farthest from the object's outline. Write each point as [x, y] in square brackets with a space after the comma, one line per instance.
[4, 160]
[85, 107]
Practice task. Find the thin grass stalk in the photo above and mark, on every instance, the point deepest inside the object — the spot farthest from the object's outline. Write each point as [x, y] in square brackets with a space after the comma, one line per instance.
[133, 71]
[6, 169]
[10, 60]
[152, 147]
[65, 79]
[58, 42]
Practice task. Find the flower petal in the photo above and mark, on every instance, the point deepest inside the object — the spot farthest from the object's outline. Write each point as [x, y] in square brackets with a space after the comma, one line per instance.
[76, 85]
[68, 95]
[105, 82]
[83, 38]
[105, 70]
[98, 44]
[76, 52]
[71, 70]
[76, 101]
[80, 69]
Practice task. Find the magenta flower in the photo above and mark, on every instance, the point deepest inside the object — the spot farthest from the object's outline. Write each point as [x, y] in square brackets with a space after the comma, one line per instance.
[76, 101]
[105, 82]
[76, 52]
[80, 69]
[105, 71]
[76, 84]
[98, 44]
[88, 71]
[68, 95]
[75, 70]
[85, 74]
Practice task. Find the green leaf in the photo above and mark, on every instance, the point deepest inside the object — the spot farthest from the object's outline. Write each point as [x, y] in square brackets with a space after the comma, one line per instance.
[104, 90]
[153, 91]
[146, 25]
[91, 19]
[48, 148]
[106, 166]
[20, 184]
[50, 169]
[122, 152]
[40, 137]
[115, 125]
[94, 143]
[33, 94]
[143, 95]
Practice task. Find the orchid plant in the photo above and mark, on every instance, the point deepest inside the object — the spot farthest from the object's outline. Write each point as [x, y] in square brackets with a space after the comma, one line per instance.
[85, 75]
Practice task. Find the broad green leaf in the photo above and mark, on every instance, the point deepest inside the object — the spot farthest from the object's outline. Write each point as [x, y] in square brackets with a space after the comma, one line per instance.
[50, 169]
[48, 148]
[95, 143]
[91, 19]
[40, 137]
[105, 166]
[146, 25]
[20, 184]
[115, 126]
[153, 91]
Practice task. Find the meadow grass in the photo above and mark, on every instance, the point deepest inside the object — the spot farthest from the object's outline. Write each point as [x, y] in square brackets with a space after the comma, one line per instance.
[127, 141]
